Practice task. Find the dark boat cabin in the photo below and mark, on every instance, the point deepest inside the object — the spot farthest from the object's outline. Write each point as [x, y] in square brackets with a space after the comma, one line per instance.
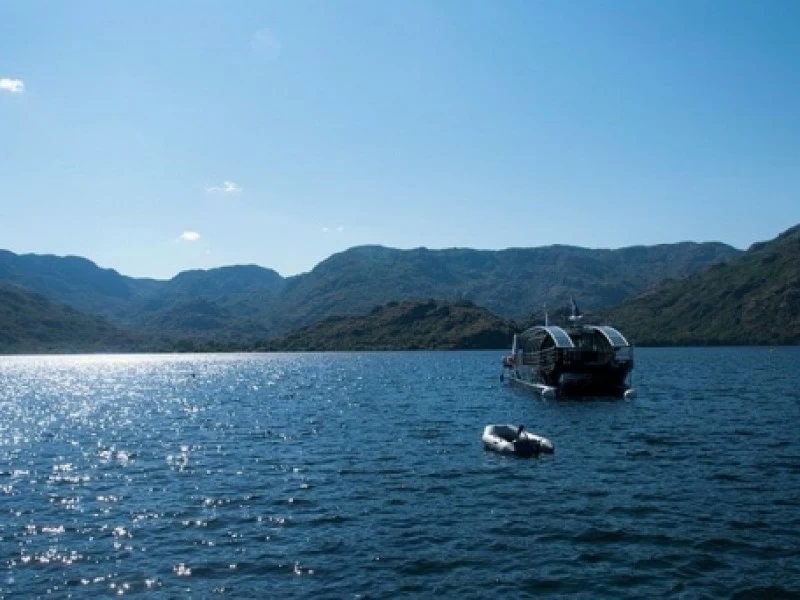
[594, 356]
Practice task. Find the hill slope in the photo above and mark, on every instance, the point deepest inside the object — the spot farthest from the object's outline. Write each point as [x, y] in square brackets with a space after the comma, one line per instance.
[31, 323]
[409, 325]
[76, 282]
[228, 302]
[512, 283]
[753, 299]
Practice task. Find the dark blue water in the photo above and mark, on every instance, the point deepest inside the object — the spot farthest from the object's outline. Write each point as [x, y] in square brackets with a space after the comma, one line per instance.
[363, 475]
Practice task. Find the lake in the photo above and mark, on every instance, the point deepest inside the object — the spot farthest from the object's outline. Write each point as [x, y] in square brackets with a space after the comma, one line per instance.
[362, 475]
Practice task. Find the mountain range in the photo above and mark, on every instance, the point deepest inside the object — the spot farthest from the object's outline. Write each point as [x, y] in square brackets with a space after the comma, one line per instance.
[240, 304]
[683, 293]
[753, 298]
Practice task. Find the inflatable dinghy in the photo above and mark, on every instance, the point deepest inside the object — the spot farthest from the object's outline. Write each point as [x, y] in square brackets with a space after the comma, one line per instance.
[509, 439]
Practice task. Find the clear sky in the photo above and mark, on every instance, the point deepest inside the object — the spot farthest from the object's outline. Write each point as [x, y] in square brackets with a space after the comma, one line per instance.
[155, 136]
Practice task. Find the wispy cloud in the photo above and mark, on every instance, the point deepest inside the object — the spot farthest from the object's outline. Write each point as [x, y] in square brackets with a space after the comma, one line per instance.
[265, 43]
[15, 86]
[338, 229]
[227, 187]
[190, 236]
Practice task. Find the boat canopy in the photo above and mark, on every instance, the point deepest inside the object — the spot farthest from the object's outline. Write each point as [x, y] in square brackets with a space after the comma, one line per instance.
[549, 336]
[614, 337]
[560, 337]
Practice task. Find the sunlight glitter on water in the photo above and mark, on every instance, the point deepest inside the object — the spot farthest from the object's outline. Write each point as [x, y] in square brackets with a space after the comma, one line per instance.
[354, 474]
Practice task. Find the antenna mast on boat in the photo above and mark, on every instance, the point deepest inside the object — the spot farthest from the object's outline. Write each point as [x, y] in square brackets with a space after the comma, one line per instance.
[546, 321]
[576, 315]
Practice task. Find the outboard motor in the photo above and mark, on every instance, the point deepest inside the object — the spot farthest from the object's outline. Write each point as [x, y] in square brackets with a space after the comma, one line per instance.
[527, 448]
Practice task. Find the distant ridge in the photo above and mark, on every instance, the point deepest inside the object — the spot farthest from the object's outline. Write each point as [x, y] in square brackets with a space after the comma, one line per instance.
[752, 299]
[239, 304]
[76, 282]
[29, 323]
[511, 283]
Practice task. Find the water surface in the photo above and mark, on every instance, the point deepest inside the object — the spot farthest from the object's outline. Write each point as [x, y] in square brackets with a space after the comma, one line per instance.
[362, 475]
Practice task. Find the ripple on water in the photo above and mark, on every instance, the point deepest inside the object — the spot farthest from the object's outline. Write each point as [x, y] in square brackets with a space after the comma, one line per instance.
[344, 475]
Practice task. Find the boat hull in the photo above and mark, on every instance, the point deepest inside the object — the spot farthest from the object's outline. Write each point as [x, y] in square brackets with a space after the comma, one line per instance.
[573, 388]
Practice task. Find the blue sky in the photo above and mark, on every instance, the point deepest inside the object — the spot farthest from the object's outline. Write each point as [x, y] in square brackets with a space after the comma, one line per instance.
[154, 137]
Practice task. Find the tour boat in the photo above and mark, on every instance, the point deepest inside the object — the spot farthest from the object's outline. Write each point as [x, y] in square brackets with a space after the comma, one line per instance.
[575, 359]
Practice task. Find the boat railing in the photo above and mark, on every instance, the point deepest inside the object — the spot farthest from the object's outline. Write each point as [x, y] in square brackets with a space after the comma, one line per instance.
[550, 356]
[588, 356]
[540, 358]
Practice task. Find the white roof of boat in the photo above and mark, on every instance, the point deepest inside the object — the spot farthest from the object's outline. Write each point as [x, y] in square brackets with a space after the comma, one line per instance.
[562, 340]
[560, 337]
[614, 337]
